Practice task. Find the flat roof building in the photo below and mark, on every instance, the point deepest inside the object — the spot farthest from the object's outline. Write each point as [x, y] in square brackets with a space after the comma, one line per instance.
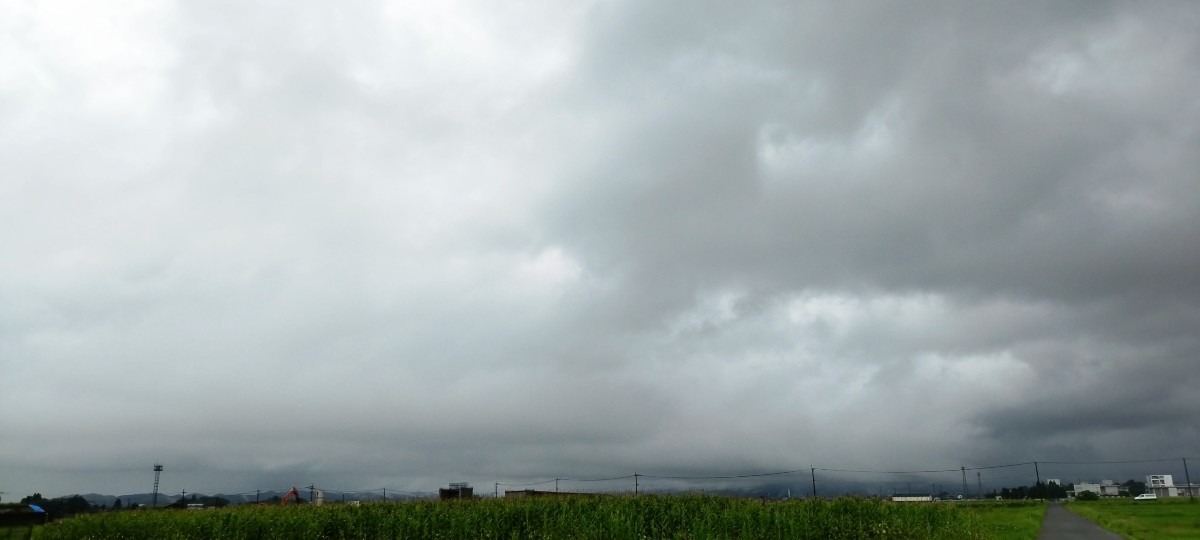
[1161, 485]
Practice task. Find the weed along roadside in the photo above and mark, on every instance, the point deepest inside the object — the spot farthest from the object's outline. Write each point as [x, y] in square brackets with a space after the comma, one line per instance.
[651, 516]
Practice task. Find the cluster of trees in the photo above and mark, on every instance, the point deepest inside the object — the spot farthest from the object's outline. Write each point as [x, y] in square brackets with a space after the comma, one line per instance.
[76, 504]
[61, 506]
[1041, 490]
[1135, 487]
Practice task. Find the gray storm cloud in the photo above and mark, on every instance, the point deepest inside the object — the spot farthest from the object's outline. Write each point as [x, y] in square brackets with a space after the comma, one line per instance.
[406, 244]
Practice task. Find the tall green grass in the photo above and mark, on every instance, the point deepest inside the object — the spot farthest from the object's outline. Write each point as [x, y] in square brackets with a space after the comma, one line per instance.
[1008, 520]
[16, 532]
[679, 517]
[1168, 519]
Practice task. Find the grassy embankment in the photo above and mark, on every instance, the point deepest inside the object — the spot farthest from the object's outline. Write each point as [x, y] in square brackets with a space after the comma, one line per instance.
[602, 517]
[1165, 519]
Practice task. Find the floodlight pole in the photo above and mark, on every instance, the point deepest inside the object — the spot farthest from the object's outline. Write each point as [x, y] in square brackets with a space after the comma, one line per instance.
[157, 471]
[1188, 476]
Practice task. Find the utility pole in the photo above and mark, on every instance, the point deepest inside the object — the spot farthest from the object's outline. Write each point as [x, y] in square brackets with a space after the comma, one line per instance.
[813, 471]
[312, 498]
[384, 494]
[635, 484]
[1037, 473]
[964, 476]
[496, 494]
[978, 486]
[557, 479]
[256, 494]
[1188, 476]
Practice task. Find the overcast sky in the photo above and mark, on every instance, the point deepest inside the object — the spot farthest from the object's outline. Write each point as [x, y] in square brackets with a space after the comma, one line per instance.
[407, 243]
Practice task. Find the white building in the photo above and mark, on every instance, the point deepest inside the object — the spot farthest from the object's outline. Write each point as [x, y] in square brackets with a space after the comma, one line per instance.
[1161, 485]
[912, 497]
[1081, 487]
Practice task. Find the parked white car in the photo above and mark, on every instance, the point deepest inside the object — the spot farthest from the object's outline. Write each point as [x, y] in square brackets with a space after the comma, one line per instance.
[1146, 497]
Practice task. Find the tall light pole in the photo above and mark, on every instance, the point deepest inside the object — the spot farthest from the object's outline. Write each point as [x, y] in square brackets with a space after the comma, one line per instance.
[158, 468]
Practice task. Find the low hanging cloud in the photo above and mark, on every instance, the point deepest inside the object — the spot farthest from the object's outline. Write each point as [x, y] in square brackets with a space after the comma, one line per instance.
[404, 244]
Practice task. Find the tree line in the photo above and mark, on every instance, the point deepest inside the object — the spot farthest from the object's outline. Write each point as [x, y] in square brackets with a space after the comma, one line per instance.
[1042, 490]
[75, 504]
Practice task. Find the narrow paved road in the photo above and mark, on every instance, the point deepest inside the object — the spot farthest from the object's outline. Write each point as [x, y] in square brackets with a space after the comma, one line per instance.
[1063, 524]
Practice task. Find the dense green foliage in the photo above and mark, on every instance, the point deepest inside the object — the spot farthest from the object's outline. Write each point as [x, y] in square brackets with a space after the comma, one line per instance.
[1166, 518]
[60, 506]
[22, 532]
[567, 517]
[1008, 520]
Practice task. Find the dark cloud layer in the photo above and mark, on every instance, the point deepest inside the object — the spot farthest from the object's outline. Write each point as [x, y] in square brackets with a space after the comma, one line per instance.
[401, 245]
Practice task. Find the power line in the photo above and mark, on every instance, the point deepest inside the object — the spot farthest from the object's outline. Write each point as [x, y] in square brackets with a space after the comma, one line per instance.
[887, 472]
[726, 477]
[527, 483]
[1107, 462]
[626, 477]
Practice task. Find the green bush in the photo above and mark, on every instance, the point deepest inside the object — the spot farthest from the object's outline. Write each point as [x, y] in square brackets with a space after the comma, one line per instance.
[1087, 496]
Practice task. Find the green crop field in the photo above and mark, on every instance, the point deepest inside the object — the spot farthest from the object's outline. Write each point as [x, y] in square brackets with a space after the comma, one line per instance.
[680, 517]
[1166, 519]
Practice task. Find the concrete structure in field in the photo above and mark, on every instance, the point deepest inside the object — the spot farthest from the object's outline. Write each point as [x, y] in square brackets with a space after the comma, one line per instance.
[457, 490]
[1188, 490]
[1081, 487]
[912, 497]
[1161, 485]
